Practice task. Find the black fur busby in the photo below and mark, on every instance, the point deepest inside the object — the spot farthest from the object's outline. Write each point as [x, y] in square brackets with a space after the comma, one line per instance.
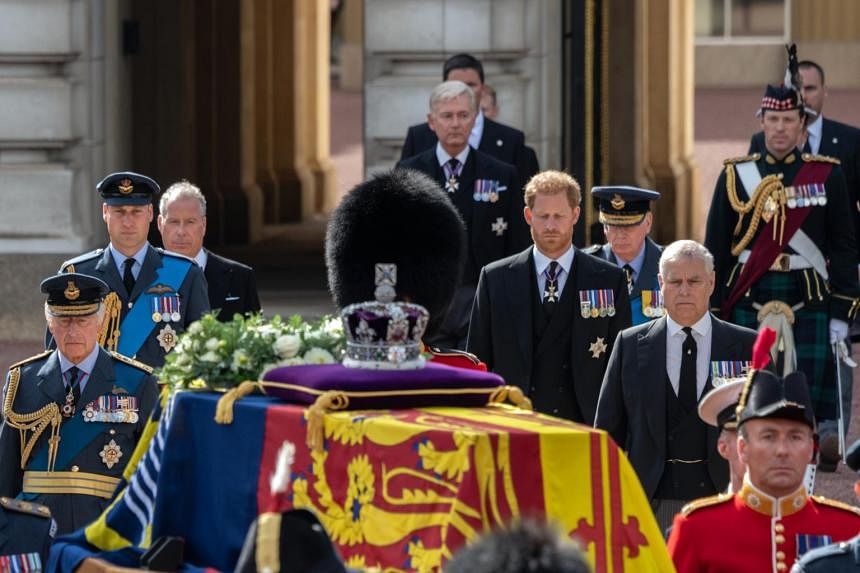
[401, 217]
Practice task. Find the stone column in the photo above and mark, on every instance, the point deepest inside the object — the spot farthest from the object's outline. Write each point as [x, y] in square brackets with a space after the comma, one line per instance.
[61, 104]
[666, 48]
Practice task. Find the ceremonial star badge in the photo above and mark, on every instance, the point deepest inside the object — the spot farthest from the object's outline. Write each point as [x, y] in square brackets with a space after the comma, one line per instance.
[451, 185]
[550, 294]
[597, 347]
[499, 227]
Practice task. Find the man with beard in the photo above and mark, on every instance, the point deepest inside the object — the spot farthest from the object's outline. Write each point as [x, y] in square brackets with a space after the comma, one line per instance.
[545, 319]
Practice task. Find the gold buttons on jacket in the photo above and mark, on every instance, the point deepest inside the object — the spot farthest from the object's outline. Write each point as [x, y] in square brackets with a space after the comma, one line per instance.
[75, 468]
[779, 538]
[779, 528]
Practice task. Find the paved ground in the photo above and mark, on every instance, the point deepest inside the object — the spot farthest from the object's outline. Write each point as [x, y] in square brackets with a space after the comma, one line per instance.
[290, 270]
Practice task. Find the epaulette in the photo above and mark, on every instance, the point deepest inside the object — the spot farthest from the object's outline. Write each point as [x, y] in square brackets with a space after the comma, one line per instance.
[69, 266]
[837, 504]
[743, 158]
[454, 353]
[132, 362]
[30, 359]
[28, 507]
[824, 158]
[703, 502]
[165, 252]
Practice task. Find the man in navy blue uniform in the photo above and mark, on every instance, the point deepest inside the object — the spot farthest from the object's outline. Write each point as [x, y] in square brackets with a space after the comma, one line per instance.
[625, 213]
[72, 416]
[154, 294]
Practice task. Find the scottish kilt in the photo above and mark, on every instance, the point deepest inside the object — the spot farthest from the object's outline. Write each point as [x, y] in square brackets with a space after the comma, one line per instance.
[811, 336]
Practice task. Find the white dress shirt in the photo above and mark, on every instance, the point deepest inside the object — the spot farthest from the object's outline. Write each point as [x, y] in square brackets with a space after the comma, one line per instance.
[442, 156]
[813, 134]
[675, 336]
[542, 262]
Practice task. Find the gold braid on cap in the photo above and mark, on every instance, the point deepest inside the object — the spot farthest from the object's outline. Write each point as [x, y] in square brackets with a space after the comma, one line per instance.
[767, 202]
[109, 335]
[35, 422]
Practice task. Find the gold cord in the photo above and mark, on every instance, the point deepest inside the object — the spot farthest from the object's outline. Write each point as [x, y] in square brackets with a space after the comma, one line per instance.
[35, 422]
[109, 335]
[768, 201]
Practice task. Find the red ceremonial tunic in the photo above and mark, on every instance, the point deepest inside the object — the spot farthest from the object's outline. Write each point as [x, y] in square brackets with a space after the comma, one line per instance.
[751, 531]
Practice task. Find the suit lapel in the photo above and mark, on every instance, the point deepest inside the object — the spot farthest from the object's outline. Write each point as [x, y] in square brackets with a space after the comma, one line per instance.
[218, 278]
[51, 379]
[100, 380]
[826, 146]
[651, 358]
[519, 290]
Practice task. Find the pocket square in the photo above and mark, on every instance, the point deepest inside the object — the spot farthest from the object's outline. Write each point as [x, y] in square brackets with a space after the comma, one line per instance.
[230, 298]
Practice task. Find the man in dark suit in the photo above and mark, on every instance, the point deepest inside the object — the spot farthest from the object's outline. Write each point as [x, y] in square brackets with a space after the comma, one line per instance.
[182, 223]
[483, 189]
[155, 294]
[72, 416]
[545, 318]
[502, 142]
[625, 213]
[657, 373]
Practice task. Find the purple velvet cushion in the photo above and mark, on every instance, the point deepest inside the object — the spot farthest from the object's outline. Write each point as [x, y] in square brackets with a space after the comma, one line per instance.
[433, 385]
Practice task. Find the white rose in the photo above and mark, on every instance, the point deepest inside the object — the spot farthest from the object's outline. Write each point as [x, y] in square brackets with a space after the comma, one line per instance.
[333, 327]
[240, 360]
[287, 345]
[212, 344]
[318, 355]
[195, 327]
[210, 357]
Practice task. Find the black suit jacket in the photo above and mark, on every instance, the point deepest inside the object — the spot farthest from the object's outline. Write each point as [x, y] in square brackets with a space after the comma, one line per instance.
[232, 287]
[632, 403]
[500, 330]
[838, 140]
[488, 242]
[499, 140]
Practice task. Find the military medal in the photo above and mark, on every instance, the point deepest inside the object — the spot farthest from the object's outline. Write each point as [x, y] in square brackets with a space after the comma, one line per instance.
[110, 454]
[68, 409]
[601, 299]
[451, 185]
[166, 338]
[494, 196]
[584, 304]
[111, 408]
[791, 201]
[610, 310]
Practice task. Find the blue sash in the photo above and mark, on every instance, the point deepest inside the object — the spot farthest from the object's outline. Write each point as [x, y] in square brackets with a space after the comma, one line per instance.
[75, 434]
[138, 324]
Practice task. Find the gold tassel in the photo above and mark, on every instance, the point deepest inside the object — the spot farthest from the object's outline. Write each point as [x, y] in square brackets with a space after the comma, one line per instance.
[109, 335]
[512, 394]
[224, 408]
[315, 414]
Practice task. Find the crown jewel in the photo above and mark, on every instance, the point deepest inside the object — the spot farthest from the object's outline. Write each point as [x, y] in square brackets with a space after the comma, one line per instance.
[384, 334]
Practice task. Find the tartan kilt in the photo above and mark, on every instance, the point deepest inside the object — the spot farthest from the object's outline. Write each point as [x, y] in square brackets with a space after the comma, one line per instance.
[811, 333]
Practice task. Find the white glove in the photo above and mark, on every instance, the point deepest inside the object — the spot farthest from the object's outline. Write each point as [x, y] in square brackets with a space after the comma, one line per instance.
[838, 330]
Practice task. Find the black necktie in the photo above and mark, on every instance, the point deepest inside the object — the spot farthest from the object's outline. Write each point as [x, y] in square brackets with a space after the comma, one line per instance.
[628, 270]
[127, 276]
[687, 390]
[550, 289]
[74, 387]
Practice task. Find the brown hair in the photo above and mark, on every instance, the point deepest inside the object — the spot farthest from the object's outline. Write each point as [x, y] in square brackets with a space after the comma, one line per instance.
[552, 183]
